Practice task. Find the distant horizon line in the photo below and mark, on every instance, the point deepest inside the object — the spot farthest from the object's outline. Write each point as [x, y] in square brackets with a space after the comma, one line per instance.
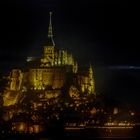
[125, 67]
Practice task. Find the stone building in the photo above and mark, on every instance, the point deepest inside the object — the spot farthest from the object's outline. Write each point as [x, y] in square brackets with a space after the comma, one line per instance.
[55, 70]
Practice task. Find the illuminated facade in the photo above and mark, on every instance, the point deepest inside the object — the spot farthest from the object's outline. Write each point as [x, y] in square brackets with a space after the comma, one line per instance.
[48, 75]
[53, 92]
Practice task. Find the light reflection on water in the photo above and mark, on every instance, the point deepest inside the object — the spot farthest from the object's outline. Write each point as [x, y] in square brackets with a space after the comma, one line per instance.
[120, 138]
[103, 134]
[88, 134]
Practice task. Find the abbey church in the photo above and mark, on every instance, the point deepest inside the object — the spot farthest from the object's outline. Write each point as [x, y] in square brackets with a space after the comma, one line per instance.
[48, 75]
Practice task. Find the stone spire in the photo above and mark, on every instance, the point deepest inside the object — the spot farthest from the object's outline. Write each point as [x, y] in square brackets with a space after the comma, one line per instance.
[50, 32]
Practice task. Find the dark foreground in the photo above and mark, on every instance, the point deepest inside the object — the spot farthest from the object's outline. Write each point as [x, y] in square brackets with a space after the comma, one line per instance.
[78, 134]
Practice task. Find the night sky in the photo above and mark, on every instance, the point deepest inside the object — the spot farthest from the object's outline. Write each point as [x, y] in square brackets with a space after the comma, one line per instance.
[100, 32]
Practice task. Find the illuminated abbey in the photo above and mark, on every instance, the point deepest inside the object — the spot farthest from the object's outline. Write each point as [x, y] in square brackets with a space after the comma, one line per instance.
[49, 76]
[53, 92]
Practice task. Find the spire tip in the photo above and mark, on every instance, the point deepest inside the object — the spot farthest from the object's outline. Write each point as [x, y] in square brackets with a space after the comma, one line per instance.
[50, 32]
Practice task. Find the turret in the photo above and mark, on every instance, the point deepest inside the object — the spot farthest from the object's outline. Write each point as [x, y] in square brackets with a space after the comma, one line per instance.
[90, 71]
[91, 80]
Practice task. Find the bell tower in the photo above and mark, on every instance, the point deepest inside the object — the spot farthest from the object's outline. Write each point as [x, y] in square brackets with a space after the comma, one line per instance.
[49, 48]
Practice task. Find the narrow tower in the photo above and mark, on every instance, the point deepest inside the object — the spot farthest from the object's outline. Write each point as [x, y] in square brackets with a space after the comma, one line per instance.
[50, 32]
[91, 80]
[49, 47]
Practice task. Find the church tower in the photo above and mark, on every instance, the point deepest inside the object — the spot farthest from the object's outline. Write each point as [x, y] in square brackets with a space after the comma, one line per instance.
[53, 56]
[50, 32]
[49, 48]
